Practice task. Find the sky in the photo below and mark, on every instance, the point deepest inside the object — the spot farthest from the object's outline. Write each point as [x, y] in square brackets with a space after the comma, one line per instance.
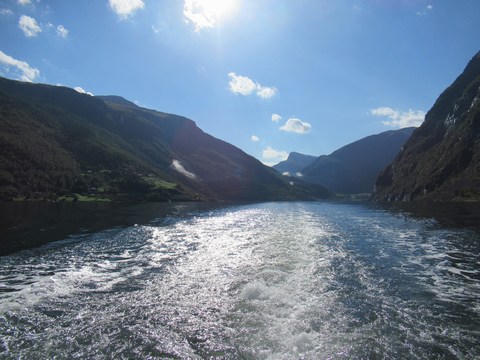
[268, 76]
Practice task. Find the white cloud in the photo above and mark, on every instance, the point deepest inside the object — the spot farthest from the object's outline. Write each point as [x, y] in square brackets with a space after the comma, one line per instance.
[296, 126]
[62, 32]
[255, 138]
[26, 72]
[29, 26]
[429, 7]
[125, 8]
[195, 12]
[272, 154]
[276, 118]
[266, 92]
[24, 2]
[243, 85]
[399, 119]
[82, 91]
[176, 165]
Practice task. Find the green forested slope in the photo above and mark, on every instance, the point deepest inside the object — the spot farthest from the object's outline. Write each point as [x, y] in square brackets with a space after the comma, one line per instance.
[57, 143]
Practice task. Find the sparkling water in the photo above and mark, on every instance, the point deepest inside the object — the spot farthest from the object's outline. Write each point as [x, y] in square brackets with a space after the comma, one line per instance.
[262, 281]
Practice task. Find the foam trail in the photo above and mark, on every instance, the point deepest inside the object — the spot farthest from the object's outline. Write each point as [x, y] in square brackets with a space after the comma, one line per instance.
[266, 281]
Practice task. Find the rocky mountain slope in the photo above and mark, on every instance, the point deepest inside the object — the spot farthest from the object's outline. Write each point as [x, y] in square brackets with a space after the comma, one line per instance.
[353, 168]
[441, 160]
[56, 143]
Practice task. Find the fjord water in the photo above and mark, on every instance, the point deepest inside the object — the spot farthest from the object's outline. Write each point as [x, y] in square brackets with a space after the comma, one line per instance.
[262, 281]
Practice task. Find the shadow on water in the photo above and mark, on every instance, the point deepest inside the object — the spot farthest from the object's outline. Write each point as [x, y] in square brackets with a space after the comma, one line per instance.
[452, 215]
[25, 225]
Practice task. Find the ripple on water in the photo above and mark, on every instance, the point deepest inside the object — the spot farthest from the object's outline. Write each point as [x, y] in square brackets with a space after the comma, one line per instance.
[268, 281]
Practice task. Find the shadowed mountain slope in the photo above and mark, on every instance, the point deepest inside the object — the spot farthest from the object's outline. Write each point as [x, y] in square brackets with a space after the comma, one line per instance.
[56, 142]
[353, 168]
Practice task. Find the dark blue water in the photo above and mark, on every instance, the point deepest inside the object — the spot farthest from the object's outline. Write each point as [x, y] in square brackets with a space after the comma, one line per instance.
[264, 281]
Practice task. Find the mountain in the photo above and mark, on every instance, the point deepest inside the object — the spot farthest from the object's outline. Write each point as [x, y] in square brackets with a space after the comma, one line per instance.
[353, 168]
[56, 143]
[117, 100]
[295, 163]
[441, 161]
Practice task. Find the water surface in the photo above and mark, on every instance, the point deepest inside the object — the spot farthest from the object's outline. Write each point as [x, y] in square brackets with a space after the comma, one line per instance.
[263, 281]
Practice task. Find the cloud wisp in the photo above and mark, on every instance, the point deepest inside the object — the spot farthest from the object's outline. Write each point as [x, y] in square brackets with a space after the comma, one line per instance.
[297, 126]
[6, 12]
[177, 166]
[62, 32]
[82, 91]
[245, 86]
[22, 70]
[276, 118]
[29, 26]
[426, 10]
[255, 138]
[125, 8]
[399, 119]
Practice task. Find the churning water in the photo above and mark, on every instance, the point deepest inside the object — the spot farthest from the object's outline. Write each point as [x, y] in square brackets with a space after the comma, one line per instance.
[264, 281]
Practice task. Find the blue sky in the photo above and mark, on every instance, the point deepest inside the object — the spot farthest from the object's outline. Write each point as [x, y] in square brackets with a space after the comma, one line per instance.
[269, 76]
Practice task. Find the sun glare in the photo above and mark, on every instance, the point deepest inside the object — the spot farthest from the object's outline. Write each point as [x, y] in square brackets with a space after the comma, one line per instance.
[219, 8]
[208, 13]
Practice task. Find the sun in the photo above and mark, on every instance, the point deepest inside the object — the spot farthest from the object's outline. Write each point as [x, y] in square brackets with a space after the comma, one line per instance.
[218, 8]
[208, 13]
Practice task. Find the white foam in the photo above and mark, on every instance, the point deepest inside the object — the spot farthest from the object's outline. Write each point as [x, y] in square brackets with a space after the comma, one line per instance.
[253, 291]
[271, 281]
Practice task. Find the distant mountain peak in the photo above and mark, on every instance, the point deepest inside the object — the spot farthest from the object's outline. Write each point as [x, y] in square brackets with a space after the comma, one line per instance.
[296, 156]
[353, 168]
[294, 163]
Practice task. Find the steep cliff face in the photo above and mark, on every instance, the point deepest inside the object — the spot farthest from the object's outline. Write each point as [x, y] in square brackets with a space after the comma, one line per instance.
[441, 160]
